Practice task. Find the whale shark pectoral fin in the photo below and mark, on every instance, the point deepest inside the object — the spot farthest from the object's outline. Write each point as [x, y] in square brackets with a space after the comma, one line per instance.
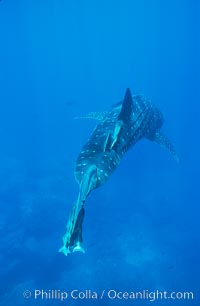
[93, 115]
[127, 107]
[164, 142]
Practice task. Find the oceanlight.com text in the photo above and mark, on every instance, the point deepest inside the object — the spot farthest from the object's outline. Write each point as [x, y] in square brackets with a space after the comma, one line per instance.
[111, 294]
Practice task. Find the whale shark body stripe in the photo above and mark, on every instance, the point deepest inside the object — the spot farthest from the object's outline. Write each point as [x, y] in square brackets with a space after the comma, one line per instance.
[118, 130]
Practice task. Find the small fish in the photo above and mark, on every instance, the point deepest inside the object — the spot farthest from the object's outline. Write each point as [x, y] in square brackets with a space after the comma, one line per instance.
[118, 130]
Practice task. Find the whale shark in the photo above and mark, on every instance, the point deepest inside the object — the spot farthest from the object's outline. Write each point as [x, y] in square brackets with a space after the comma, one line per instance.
[118, 130]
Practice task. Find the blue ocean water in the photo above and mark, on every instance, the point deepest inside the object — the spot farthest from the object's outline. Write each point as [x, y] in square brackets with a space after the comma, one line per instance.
[61, 59]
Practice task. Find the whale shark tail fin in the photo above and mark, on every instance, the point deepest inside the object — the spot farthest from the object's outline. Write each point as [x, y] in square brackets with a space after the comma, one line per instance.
[73, 237]
[78, 248]
[164, 142]
[64, 250]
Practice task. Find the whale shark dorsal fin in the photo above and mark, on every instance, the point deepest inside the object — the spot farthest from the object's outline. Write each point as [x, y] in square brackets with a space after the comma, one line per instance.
[93, 115]
[164, 142]
[127, 107]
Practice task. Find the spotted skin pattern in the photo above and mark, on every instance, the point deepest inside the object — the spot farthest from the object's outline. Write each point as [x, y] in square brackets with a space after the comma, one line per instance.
[144, 122]
[118, 130]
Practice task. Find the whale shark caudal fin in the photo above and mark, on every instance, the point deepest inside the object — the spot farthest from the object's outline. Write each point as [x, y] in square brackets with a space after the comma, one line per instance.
[93, 115]
[78, 248]
[127, 107]
[65, 250]
[72, 239]
[73, 236]
[71, 224]
[164, 142]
